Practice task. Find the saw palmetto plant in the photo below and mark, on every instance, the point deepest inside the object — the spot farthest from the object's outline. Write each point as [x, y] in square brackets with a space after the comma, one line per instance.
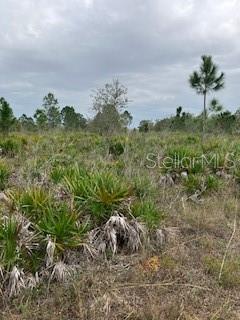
[107, 192]
[148, 213]
[62, 226]
[18, 243]
[11, 146]
[100, 193]
[9, 249]
[32, 202]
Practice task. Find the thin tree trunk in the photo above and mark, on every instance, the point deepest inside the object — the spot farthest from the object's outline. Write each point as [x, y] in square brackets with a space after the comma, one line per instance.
[204, 114]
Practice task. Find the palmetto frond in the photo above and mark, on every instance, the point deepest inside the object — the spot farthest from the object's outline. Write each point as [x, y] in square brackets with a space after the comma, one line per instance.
[118, 232]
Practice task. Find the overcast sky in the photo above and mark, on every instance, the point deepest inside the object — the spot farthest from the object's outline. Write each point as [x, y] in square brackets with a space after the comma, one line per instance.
[70, 47]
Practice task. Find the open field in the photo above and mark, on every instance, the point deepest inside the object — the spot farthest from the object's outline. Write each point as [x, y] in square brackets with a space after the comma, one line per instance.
[137, 226]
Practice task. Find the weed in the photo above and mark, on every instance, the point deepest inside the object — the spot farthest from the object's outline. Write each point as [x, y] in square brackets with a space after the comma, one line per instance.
[148, 213]
[230, 273]
[17, 242]
[182, 158]
[57, 174]
[116, 149]
[9, 147]
[201, 183]
[143, 187]
[4, 175]
[212, 183]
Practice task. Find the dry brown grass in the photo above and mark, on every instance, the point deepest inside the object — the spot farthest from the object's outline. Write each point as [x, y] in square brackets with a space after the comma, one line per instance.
[175, 282]
[179, 281]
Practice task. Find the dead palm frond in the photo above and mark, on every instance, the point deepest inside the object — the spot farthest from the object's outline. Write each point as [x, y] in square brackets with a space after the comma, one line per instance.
[161, 237]
[61, 272]
[31, 281]
[167, 234]
[167, 180]
[4, 199]
[50, 250]
[16, 281]
[118, 232]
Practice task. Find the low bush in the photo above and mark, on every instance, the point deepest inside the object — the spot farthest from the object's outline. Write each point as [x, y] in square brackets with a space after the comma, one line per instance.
[4, 175]
[57, 174]
[18, 244]
[116, 149]
[10, 147]
[212, 183]
[148, 213]
[143, 187]
[179, 158]
[33, 202]
[99, 193]
[193, 183]
[9, 233]
[62, 226]
[201, 183]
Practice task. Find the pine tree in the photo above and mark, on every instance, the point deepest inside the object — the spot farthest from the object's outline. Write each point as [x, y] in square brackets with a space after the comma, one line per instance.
[6, 116]
[206, 80]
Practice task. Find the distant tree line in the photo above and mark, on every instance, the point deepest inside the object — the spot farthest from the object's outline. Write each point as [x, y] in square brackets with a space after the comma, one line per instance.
[49, 116]
[109, 105]
[217, 120]
[213, 117]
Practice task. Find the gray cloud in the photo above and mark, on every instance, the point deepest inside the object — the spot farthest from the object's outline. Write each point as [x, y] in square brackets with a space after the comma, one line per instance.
[72, 46]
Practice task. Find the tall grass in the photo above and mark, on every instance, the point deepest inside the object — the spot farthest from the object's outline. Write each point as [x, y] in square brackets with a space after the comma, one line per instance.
[148, 213]
[4, 175]
[9, 235]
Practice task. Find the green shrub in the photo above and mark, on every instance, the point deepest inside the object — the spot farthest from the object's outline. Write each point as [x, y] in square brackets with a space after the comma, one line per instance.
[216, 160]
[116, 149]
[193, 183]
[148, 212]
[4, 175]
[236, 173]
[62, 226]
[57, 174]
[10, 147]
[179, 158]
[100, 193]
[75, 172]
[33, 202]
[211, 145]
[143, 187]
[106, 194]
[9, 233]
[18, 246]
[192, 140]
[119, 166]
[203, 183]
[36, 259]
[212, 183]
